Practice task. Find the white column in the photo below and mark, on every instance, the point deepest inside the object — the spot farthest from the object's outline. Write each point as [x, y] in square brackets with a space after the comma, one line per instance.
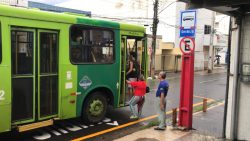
[211, 47]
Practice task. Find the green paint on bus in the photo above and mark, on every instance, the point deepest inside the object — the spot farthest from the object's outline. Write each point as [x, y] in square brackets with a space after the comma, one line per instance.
[75, 83]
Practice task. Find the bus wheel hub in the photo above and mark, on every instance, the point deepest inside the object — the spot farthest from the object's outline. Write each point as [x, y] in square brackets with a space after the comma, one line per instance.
[96, 108]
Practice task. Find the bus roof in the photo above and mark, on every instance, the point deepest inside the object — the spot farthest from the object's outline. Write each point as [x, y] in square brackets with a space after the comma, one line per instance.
[36, 14]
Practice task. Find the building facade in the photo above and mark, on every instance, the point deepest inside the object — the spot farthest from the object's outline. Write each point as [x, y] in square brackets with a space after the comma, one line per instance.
[20, 3]
[168, 57]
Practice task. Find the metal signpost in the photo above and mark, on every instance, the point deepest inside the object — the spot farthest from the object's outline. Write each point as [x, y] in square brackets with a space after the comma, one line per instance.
[187, 46]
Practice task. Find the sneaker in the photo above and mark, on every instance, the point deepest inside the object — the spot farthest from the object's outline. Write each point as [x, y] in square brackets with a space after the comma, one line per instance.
[133, 117]
[158, 128]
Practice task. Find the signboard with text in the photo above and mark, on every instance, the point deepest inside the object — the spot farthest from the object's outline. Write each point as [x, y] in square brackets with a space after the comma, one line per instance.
[188, 23]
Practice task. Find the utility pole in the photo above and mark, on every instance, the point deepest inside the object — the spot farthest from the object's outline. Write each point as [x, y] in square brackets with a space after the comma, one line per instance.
[155, 23]
[211, 46]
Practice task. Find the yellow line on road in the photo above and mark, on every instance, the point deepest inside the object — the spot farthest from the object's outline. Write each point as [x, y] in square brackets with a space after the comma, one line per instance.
[218, 105]
[128, 124]
[203, 97]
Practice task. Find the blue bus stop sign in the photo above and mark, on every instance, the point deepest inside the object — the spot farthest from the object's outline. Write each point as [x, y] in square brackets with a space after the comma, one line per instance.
[188, 23]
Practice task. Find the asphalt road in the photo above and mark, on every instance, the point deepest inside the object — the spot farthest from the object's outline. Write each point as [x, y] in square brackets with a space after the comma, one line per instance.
[209, 86]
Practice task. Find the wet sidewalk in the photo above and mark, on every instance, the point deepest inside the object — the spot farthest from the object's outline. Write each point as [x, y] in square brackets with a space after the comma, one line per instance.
[167, 135]
[216, 70]
[211, 122]
[221, 69]
[208, 127]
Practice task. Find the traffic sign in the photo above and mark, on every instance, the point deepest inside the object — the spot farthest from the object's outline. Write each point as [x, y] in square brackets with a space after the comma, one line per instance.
[188, 23]
[187, 45]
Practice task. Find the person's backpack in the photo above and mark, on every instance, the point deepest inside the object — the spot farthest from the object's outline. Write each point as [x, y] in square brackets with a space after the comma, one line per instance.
[136, 69]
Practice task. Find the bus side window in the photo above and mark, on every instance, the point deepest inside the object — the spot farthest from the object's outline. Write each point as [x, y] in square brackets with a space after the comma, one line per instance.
[91, 45]
[0, 43]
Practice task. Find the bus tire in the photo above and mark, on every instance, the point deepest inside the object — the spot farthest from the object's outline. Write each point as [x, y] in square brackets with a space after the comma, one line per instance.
[94, 108]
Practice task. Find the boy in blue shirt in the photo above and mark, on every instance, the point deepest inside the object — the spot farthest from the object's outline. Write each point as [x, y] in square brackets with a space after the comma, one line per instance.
[161, 94]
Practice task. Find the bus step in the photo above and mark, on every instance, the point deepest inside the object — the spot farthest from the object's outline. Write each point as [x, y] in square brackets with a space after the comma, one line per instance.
[124, 105]
[35, 125]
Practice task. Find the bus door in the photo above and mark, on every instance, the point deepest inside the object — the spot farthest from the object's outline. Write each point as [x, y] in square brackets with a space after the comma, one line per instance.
[34, 57]
[123, 70]
[142, 56]
[47, 74]
[136, 46]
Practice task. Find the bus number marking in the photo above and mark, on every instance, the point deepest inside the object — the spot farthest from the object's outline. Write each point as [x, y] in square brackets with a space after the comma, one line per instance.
[2, 94]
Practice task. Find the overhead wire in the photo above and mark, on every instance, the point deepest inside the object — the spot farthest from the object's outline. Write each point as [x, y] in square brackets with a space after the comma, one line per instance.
[144, 5]
[166, 7]
[140, 19]
[163, 4]
[147, 20]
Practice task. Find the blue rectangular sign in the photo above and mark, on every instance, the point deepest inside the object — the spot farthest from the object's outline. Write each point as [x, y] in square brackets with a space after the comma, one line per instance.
[187, 32]
[188, 23]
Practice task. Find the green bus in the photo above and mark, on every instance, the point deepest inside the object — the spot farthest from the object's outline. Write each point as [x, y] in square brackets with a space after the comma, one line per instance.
[56, 66]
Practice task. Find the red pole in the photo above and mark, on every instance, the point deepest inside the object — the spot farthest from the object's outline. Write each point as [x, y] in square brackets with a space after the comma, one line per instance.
[186, 90]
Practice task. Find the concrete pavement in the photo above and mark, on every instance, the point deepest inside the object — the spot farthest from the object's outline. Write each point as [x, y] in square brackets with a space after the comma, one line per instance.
[206, 124]
[211, 122]
[221, 69]
[167, 135]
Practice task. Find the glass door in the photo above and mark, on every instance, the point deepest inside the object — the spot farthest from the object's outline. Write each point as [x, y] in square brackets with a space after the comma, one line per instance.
[34, 75]
[23, 75]
[47, 74]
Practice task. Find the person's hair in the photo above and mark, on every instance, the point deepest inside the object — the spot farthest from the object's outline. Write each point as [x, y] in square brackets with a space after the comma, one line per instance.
[163, 74]
[131, 58]
[141, 78]
[132, 53]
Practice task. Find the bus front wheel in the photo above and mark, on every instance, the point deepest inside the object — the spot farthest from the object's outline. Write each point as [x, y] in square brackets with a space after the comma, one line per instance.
[94, 108]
